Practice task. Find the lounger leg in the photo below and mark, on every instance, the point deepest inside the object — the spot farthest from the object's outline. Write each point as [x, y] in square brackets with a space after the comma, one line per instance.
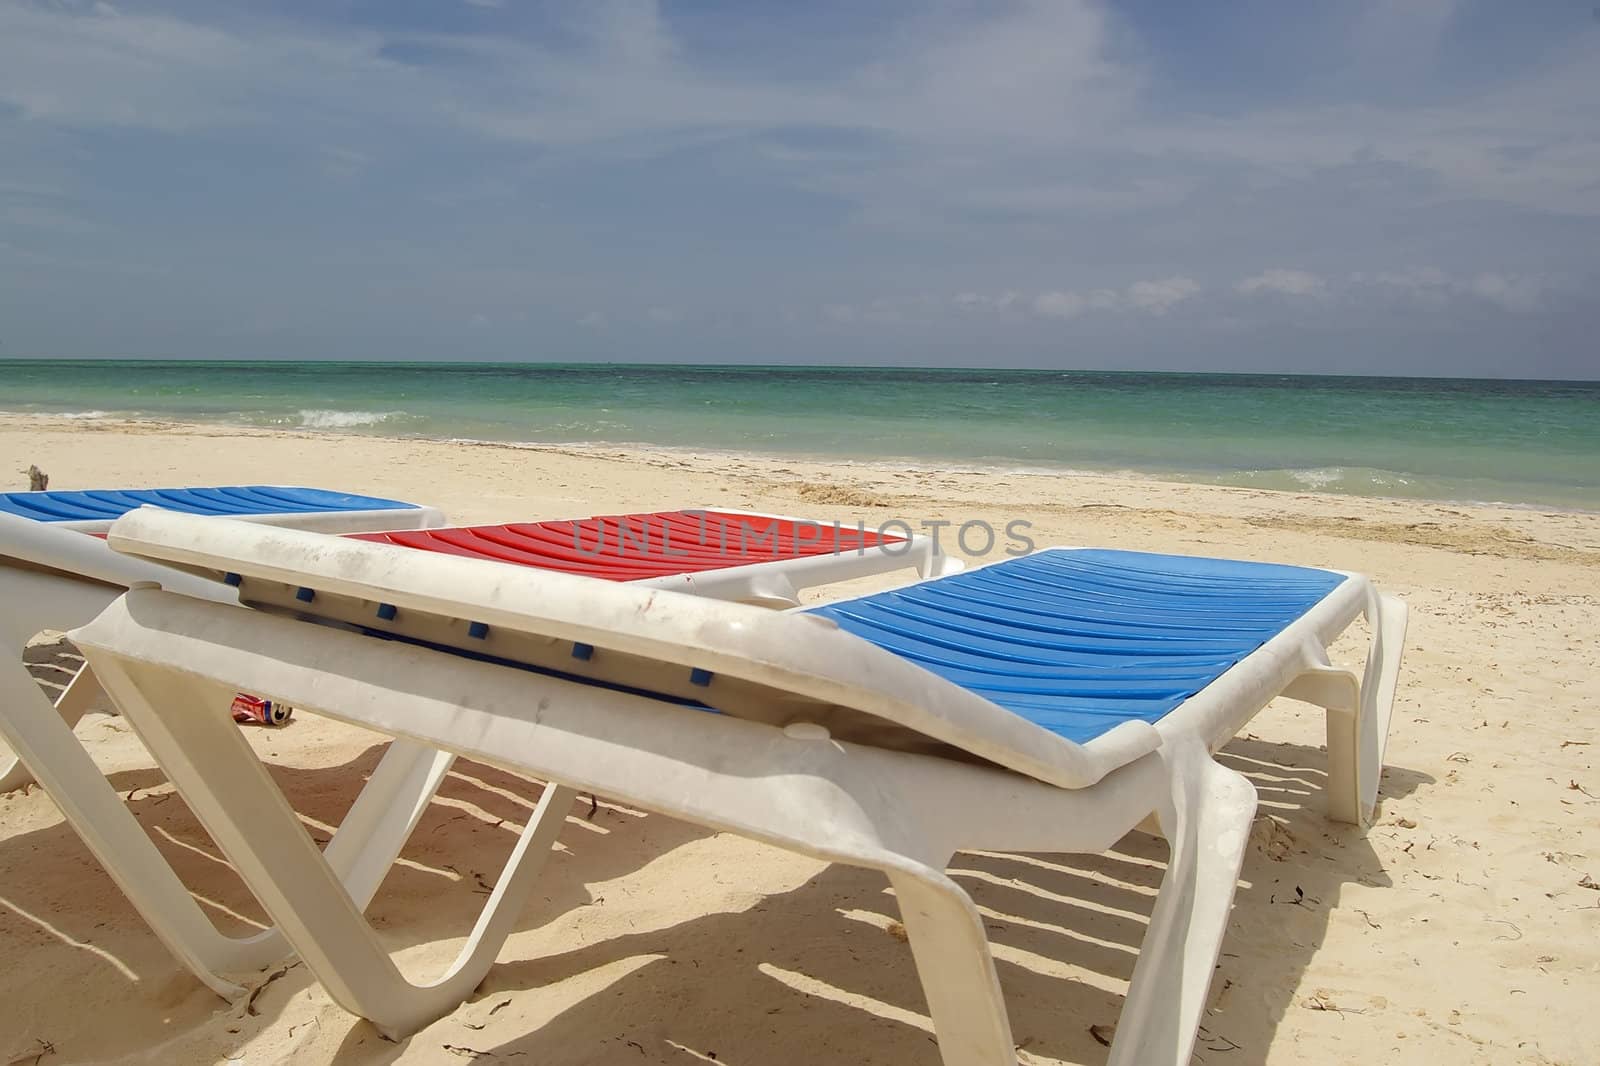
[1387, 617]
[74, 701]
[1338, 692]
[951, 950]
[362, 850]
[1358, 722]
[220, 777]
[52, 603]
[379, 823]
[41, 737]
[70, 707]
[1207, 824]
[45, 748]
[93, 808]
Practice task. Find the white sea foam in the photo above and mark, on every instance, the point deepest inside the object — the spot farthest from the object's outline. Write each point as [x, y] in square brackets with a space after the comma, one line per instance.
[1318, 478]
[324, 419]
[81, 415]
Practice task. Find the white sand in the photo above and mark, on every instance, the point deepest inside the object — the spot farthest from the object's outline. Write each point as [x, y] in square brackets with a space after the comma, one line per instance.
[1456, 930]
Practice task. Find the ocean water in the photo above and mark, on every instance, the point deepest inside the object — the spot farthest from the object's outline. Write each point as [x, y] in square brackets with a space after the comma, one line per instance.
[1515, 442]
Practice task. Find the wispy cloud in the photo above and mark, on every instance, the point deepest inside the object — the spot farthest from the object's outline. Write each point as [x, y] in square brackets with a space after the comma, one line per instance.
[1287, 282]
[1432, 288]
[881, 311]
[1159, 297]
[982, 302]
[620, 71]
[1150, 297]
[97, 67]
[1035, 160]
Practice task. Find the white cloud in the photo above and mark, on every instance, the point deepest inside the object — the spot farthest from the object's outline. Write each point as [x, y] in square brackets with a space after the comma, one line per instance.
[1059, 304]
[1520, 294]
[1068, 304]
[1281, 280]
[1159, 297]
[944, 130]
[995, 136]
[1410, 278]
[982, 302]
[62, 65]
[1433, 289]
[881, 311]
[1149, 297]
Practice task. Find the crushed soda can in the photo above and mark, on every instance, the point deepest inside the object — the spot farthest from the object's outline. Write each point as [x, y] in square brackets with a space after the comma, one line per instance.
[254, 709]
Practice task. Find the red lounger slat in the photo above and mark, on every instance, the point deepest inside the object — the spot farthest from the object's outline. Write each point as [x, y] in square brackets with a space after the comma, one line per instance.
[632, 547]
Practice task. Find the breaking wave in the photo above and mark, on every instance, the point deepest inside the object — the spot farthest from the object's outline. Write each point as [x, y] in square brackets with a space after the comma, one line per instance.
[324, 419]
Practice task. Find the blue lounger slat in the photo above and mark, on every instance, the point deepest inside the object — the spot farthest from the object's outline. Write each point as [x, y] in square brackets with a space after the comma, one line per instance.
[1118, 580]
[102, 504]
[1049, 604]
[1028, 627]
[1080, 641]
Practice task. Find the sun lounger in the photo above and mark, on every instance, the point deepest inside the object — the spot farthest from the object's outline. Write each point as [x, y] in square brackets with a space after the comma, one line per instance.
[72, 577]
[1048, 703]
[56, 572]
[54, 578]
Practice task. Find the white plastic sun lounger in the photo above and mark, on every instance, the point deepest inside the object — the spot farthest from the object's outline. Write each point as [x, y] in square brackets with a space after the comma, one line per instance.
[55, 578]
[1078, 691]
[55, 573]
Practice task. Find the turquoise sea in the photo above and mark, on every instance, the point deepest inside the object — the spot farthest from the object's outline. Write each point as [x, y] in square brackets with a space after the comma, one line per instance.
[1517, 442]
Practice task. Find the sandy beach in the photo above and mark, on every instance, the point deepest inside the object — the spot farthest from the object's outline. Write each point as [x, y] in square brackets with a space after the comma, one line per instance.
[1463, 927]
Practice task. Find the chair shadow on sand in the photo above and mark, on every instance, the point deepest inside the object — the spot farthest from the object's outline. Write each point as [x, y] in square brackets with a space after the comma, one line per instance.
[59, 907]
[822, 967]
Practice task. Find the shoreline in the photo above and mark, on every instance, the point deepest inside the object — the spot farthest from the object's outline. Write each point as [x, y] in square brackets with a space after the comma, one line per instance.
[819, 488]
[97, 421]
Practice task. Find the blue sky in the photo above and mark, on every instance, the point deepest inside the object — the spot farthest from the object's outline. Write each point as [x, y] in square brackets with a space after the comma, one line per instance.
[1363, 187]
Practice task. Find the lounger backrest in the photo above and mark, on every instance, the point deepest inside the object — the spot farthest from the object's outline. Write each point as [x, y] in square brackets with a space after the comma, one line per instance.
[781, 668]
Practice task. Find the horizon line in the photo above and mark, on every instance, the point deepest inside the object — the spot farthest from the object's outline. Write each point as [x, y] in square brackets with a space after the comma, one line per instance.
[622, 364]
